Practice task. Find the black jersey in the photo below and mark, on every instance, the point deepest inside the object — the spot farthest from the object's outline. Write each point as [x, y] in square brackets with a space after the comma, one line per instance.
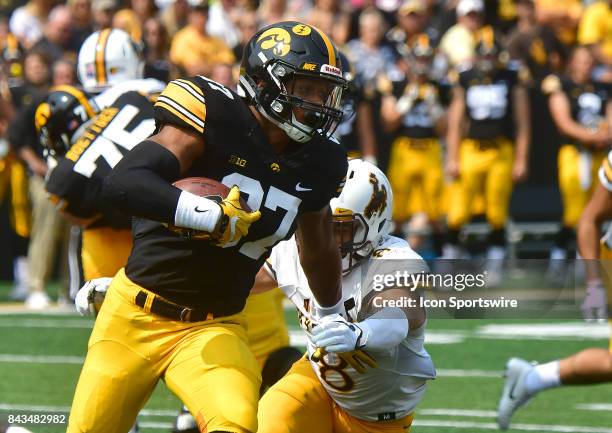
[77, 179]
[587, 101]
[488, 100]
[195, 273]
[418, 122]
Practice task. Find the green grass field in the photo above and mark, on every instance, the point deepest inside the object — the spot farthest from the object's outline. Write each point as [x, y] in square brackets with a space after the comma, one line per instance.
[41, 356]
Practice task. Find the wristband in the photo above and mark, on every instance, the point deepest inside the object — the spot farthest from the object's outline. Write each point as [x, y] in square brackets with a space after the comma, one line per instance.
[195, 212]
[338, 308]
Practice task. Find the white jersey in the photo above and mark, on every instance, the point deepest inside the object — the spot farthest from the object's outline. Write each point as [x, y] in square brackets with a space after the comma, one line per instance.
[396, 386]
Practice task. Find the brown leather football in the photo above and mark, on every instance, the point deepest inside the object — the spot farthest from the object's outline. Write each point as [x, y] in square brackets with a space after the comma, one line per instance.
[203, 186]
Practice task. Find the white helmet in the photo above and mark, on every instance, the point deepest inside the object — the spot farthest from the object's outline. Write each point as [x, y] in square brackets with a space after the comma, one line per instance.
[108, 57]
[366, 203]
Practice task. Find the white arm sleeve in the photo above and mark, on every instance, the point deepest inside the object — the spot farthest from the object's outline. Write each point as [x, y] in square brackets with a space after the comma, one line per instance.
[384, 330]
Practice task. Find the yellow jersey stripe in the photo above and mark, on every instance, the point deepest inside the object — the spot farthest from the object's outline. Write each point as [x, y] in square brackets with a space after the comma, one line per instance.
[189, 89]
[186, 99]
[330, 47]
[101, 55]
[162, 104]
[181, 109]
[80, 96]
[193, 86]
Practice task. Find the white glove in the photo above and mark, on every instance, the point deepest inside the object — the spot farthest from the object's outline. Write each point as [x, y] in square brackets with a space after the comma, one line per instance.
[335, 334]
[84, 299]
[595, 306]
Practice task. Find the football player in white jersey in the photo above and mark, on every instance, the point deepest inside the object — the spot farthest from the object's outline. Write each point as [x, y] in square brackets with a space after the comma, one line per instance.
[365, 371]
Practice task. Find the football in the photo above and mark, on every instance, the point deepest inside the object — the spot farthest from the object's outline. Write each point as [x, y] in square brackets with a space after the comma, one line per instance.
[202, 187]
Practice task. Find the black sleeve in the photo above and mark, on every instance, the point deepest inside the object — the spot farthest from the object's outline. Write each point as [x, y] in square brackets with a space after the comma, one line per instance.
[80, 194]
[331, 175]
[140, 184]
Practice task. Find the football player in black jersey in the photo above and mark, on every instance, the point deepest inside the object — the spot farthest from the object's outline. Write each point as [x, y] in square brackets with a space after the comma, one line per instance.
[488, 112]
[414, 113]
[582, 111]
[174, 312]
[85, 155]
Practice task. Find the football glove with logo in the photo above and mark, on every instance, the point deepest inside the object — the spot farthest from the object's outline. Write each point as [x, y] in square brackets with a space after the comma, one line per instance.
[334, 334]
[234, 222]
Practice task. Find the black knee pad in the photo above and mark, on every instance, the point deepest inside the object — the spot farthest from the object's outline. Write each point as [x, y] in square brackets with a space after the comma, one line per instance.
[278, 363]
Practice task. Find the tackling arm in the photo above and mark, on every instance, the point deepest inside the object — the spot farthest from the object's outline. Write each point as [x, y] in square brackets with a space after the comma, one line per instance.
[320, 259]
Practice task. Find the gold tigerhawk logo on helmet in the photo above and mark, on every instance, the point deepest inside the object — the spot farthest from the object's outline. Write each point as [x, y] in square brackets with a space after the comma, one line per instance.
[276, 39]
[42, 115]
[378, 200]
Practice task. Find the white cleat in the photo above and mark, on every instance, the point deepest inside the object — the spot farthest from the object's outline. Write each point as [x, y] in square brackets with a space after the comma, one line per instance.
[514, 394]
[37, 301]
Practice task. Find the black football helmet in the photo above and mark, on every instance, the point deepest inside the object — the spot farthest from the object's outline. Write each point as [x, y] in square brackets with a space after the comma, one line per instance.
[277, 54]
[421, 55]
[60, 116]
[487, 50]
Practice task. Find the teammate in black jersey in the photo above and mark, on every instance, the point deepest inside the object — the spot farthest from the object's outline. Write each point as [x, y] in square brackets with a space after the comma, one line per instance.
[412, 110]
[85, 156]
[174, 313]
[488, 142]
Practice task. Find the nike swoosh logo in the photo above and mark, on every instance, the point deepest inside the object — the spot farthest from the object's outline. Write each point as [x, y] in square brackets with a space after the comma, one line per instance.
[299, 188]
[199, 210]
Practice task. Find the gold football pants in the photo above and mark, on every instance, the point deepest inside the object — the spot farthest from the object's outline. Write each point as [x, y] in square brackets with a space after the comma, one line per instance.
[484, 166]
[208, 365]
[14, 183]
[298, 403]
[577, 179]
[105, 251]
[415, 173]
[267, 329]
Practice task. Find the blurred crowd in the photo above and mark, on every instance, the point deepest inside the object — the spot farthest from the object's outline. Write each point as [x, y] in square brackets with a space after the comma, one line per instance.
[390, 45]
